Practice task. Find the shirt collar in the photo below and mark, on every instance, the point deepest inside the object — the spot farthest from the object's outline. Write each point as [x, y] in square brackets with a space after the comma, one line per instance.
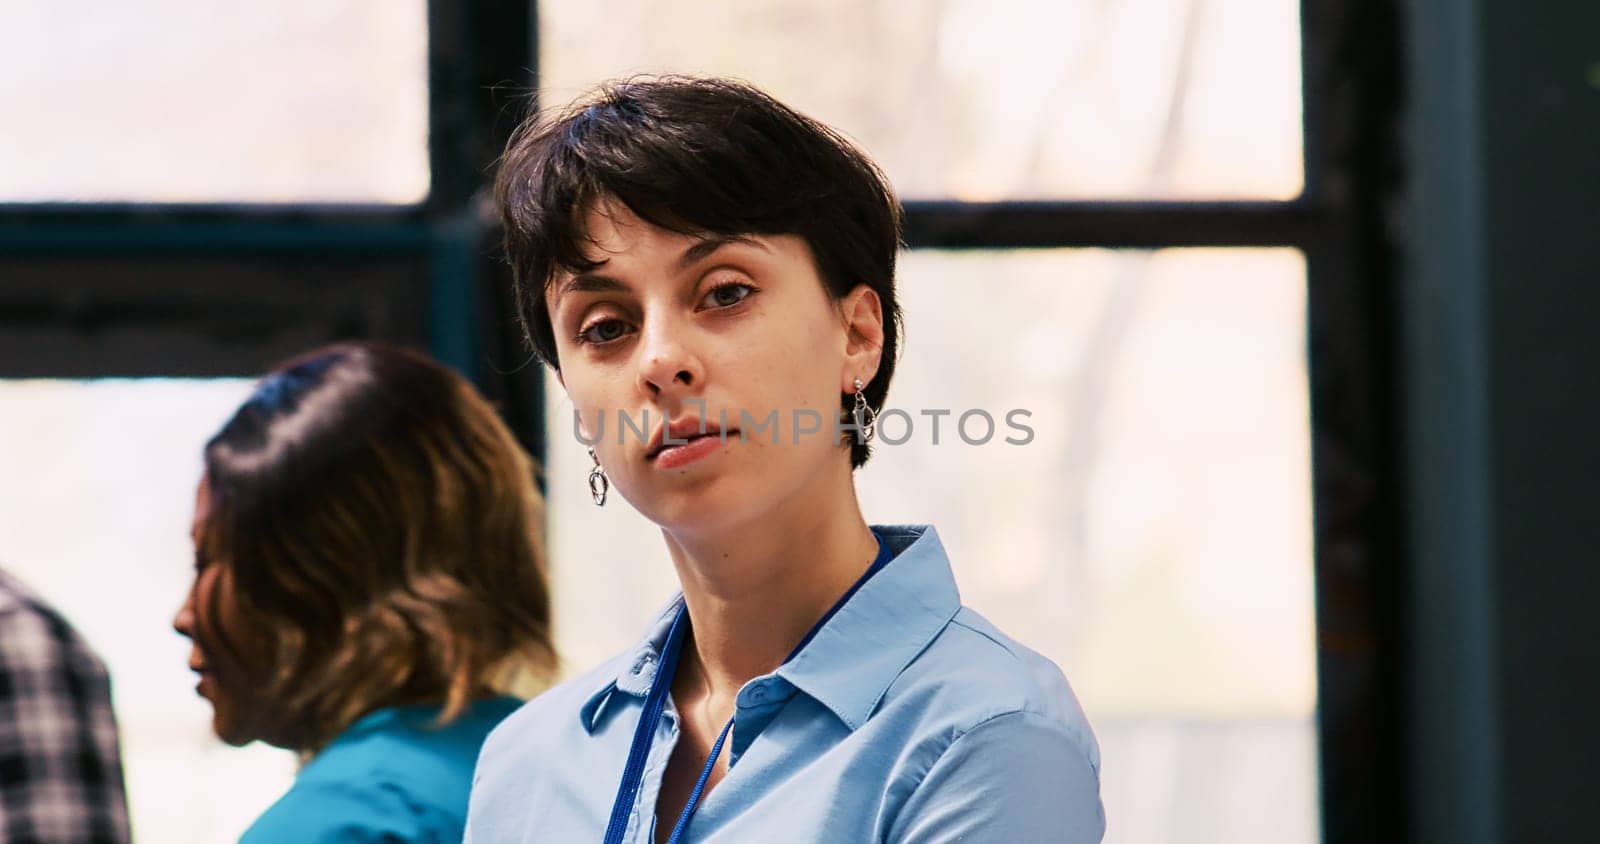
[854, 658]
[637, 669]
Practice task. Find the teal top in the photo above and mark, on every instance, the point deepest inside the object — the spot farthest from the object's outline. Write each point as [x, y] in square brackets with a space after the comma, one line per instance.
[390, 777]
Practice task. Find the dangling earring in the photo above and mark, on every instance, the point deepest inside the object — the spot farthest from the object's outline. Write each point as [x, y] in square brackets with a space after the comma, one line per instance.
[866, 418]
[599, 484]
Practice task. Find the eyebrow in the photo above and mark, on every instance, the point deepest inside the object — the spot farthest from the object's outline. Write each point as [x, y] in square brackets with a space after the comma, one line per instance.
[590, 283]
[699, 251]
[596, 283]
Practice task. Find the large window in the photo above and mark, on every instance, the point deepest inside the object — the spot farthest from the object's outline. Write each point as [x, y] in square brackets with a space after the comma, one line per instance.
[1129, 218]
[98, 490]
[293, 101]
[979, 100]
[193, 190]
[1154, 537]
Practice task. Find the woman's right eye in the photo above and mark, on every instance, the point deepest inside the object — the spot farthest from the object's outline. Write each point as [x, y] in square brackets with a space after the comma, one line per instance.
[603, 331]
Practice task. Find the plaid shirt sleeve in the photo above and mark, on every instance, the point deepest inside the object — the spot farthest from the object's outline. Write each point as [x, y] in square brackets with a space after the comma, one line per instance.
[60, 773]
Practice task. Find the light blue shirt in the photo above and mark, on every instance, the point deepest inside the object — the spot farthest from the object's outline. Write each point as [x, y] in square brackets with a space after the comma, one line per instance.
[391, 777]
[907, 718]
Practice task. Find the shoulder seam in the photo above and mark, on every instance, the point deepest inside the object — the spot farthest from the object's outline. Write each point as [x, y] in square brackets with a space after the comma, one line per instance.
[1066, 732]
[1077, 745]
[956, 620]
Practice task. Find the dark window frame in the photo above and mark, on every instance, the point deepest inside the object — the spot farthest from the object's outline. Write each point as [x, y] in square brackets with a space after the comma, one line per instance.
[480, 53]
[1340, 222]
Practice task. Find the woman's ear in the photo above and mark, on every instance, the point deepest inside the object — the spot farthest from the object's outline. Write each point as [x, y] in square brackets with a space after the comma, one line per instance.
[863, 324]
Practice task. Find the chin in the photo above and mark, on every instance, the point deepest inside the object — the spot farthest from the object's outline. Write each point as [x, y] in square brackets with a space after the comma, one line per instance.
[229, 734]
[231, 730]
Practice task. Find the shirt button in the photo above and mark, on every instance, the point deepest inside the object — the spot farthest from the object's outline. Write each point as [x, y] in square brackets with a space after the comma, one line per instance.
[758, 694]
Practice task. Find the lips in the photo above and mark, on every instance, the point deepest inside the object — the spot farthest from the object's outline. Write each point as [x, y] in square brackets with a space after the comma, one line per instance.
[681, 431]
[203, 682]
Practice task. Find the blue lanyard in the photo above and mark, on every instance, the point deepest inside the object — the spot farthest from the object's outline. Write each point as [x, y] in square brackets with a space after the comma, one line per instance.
[656, 700]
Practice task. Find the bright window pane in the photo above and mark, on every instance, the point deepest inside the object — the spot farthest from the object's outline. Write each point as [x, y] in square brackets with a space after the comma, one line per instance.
[196, 101]
[1153, 538]
[97, 493]
[980, 100]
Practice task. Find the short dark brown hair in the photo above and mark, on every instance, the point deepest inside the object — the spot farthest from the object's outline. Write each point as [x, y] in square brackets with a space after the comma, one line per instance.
[702, 157]
[381, 527]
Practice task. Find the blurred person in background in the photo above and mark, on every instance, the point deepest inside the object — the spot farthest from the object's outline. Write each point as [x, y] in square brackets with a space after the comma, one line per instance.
[60, 770]
[695, 255]
[369, 583]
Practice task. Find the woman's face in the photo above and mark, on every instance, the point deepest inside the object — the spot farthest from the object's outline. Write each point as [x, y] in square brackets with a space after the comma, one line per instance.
[667, 322]
[210, 612]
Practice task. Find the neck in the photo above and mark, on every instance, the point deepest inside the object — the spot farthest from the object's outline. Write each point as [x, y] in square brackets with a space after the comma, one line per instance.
[755, 590]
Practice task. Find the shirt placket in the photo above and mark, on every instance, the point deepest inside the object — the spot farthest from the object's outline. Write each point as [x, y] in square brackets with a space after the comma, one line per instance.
[641, 824]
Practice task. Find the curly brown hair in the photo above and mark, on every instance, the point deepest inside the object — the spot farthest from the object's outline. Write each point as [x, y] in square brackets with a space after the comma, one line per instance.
[381, 531]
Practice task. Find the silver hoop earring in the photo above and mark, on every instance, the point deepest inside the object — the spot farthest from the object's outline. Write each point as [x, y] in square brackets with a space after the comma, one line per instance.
[599, 484]
[866, 418]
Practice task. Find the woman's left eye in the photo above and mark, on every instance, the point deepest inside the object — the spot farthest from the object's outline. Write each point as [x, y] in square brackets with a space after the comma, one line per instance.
[726, 295]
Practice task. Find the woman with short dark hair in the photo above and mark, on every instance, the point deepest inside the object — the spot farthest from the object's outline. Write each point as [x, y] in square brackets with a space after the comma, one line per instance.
[693, 254]
[369, 581]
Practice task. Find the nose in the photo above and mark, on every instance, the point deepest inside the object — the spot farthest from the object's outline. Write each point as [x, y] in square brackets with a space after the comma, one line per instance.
[183, 622]
[668, 369]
